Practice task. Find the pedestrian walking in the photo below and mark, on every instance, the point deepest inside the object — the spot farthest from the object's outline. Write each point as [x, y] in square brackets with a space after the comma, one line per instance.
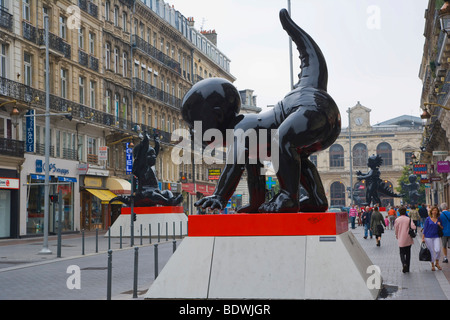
[392, 214]
[414, 215]
[376, 224]
[431, 236]
[366, 216]
[402, 226]
[445, 219]
[423, 213]
[353, 212]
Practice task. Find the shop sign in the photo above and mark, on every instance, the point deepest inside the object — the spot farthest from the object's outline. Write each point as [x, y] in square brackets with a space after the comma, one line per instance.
[435, 179]
[214, 174]
[9, 183]
[443, 166]
[440, 153]
[40, 167]
[420, 169]
[129, 159]
[103, 153]
[29, 132]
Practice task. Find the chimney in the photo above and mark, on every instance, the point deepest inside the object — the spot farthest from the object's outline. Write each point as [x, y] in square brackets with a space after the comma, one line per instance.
[191, 21]
[211, 35]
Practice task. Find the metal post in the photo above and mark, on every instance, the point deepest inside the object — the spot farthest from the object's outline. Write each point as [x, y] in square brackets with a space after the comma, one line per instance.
[120, 237]
[150, 233]
[45, 249]
[96, 240]
[159, 233]
[133, 181]
[109, 238]
[173, 229]
[351, 161]
[82, 242]
[60, 205]
[156, 260]
[135, 281]
[174, 245]
[141, 235]
[108, 285]
[167, 231]
[181, 229]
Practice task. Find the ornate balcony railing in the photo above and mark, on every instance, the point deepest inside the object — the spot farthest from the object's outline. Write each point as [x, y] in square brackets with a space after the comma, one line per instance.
[6, 20]
[83, 58]
[155, 93]
[143, 45]
[55, 43]
[13, 148]
[21, 92]
[29, 31]
[88, 7]
[93, 63]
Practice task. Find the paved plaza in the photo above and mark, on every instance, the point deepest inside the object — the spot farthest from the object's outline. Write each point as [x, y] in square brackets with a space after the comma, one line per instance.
[27, 275]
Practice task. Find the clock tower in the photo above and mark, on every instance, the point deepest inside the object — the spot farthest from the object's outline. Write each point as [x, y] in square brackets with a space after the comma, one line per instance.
[360, 118]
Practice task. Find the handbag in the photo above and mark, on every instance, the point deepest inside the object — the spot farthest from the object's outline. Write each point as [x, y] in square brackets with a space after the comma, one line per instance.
[424, 253]
[440, 232]
[411, 232]
[380, 229]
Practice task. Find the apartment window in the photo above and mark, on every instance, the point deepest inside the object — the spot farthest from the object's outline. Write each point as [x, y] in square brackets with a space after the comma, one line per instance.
[116, 105]
[3, 60]
[91, 43]
[108, 56]
[116, 59]
[149, 118]
[124, 107]
[108, 101]
[81, 81]
[58, 144]
[107, 10]
[62, 27]
[125, 21]
[27, 69]
[26, 11]
[81, 38]
[143, 115]
[125, 64]
[63, 83]
[91, 145]
[116, 16]
[92, 94]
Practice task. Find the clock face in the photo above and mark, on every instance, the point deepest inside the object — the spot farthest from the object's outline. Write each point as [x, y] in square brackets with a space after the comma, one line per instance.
[359, 121]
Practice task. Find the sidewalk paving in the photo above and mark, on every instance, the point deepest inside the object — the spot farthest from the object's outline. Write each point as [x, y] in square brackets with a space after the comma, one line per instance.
[420, 283]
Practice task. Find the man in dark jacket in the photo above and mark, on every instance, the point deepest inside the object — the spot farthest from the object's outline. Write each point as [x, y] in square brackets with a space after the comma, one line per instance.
[423, 213]
[366, 216]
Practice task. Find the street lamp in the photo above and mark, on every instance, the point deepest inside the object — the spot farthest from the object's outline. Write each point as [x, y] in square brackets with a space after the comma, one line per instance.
[426, 114]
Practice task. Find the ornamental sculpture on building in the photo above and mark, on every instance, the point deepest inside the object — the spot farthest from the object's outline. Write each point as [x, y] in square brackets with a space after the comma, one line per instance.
[147, 193]
[307, 120]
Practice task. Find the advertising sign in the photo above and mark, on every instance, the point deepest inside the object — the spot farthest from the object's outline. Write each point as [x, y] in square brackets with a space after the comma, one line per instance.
[443, 166]
[29, 132]
[103, 153]
[129, 159]
[420, 169]
[214, 174]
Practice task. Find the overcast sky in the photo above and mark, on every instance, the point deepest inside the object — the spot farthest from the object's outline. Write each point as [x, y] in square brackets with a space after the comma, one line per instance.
[373, 48]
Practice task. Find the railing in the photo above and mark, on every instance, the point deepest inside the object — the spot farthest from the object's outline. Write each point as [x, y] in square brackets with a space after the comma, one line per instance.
[40, 149]
[87, 60]
[92, 158]
[155, 93]
[6, 20]
[13, 148]
[21, 92]
[155, 53]
[55, 43]
[88, 7]
[29, 31]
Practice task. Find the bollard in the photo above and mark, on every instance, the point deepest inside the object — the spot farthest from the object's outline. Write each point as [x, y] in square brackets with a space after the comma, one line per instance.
[156, 260]
[109, 238]
[150, 233]
[82, 242]
[108, 286]
[159, 234]
[120, 237]
[173, 230]
[96, 240]
[174, 246]
[181, 229]
[141, 235]
[135, 281]
[167, 231]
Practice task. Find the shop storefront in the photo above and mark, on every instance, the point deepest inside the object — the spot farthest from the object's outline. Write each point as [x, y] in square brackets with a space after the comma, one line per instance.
[9, 204]
[63, 177]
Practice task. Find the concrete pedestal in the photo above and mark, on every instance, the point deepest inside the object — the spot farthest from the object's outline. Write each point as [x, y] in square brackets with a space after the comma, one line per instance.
[174, 217]
[279, 261]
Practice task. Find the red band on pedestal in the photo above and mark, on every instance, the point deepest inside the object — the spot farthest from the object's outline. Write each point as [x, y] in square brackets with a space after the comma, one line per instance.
[153, 210]
[273, 224]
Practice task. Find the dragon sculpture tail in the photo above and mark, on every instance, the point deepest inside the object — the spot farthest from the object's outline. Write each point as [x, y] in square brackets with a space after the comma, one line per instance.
[384, 189]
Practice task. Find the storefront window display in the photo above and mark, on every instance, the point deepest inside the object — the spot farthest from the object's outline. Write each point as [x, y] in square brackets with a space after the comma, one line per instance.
[35, 205]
